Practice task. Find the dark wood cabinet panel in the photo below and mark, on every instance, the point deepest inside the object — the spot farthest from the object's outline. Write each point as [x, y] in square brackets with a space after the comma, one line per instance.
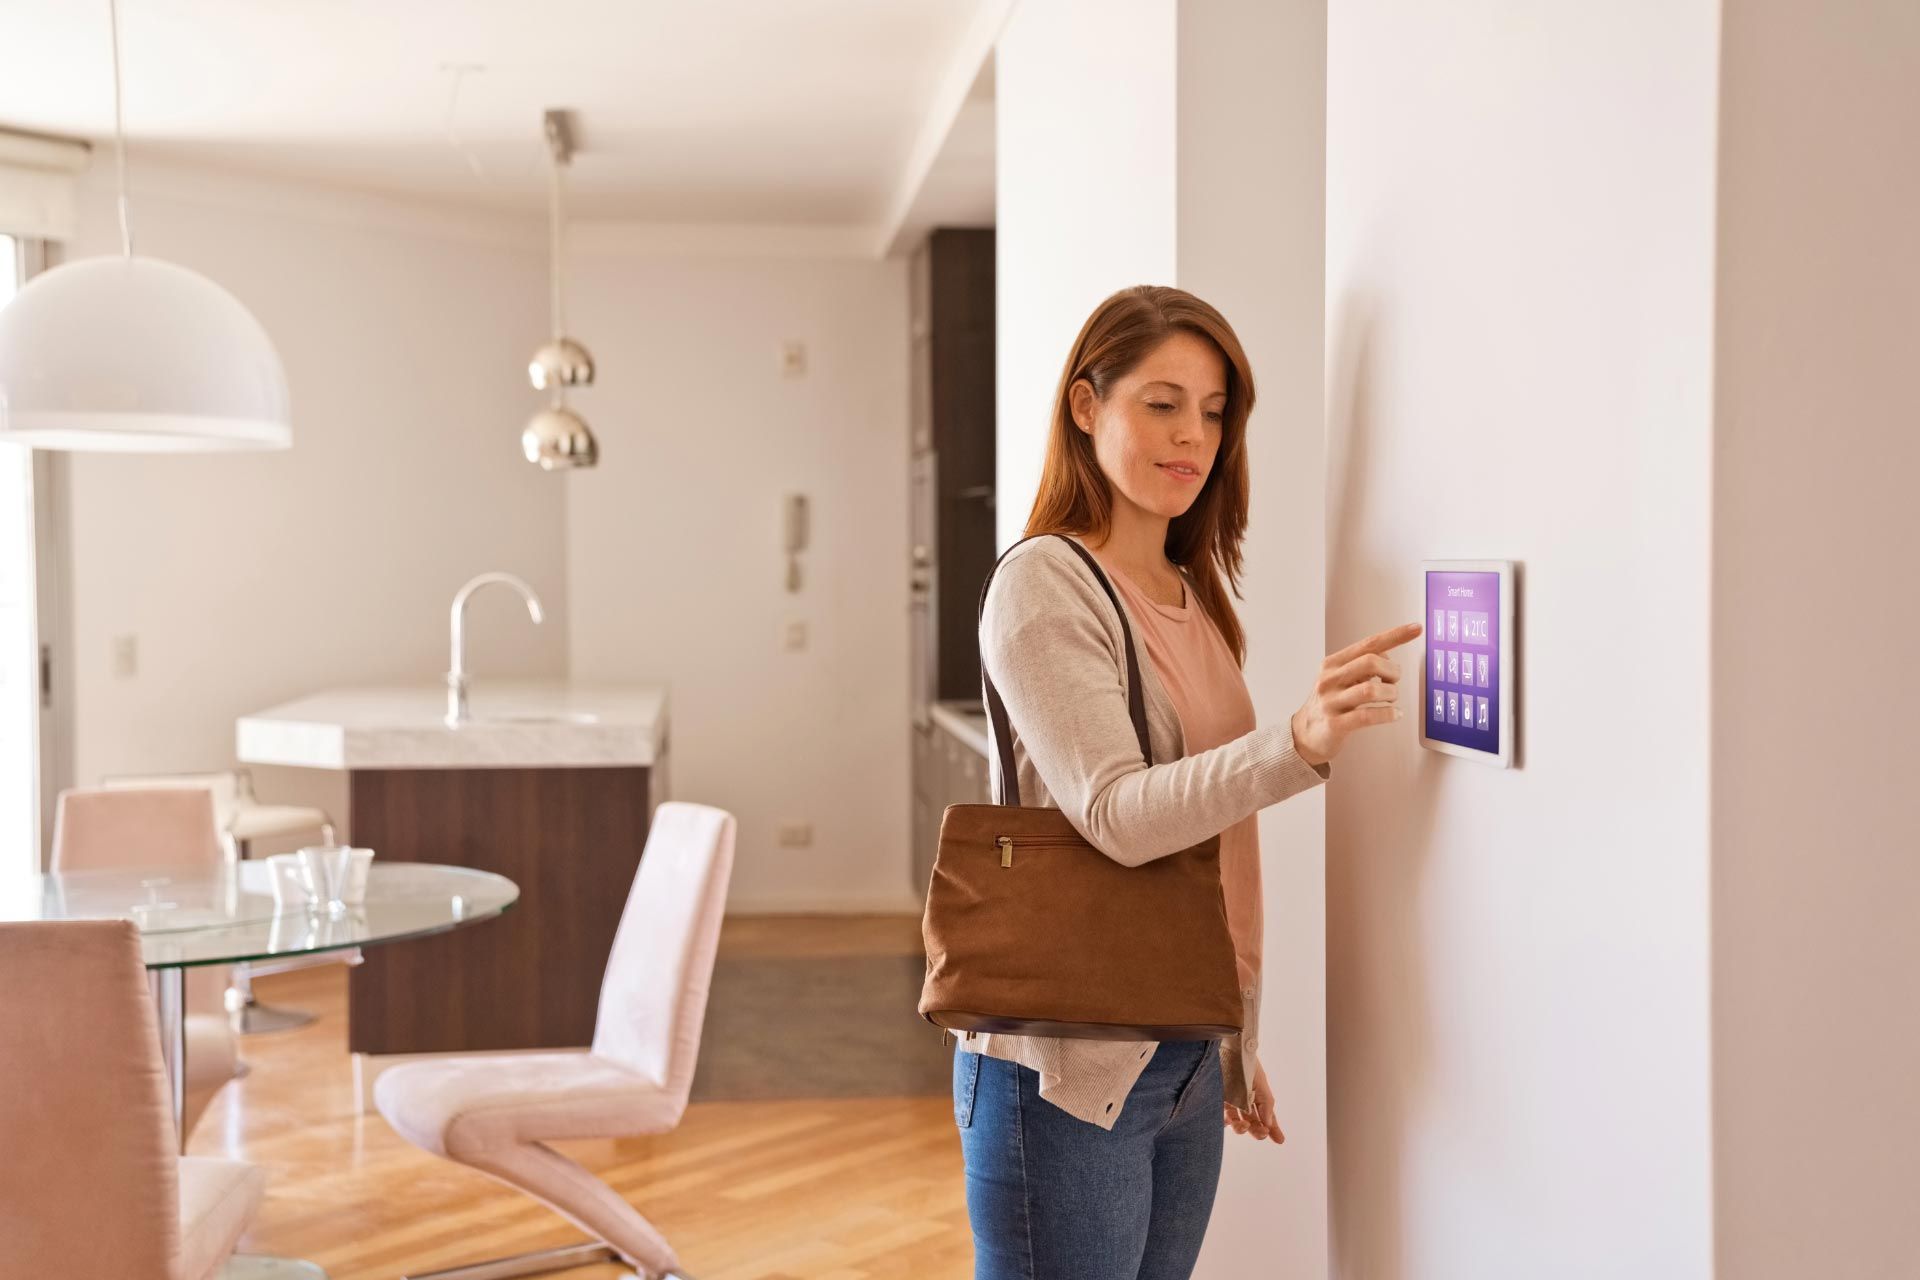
[951, 425]
[570, 838]
[960, 301]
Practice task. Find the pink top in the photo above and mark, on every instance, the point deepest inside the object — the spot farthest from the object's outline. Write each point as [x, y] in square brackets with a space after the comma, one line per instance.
[1208, 690]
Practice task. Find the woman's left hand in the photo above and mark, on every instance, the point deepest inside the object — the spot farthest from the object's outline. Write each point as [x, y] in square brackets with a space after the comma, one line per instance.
[1259, 1121]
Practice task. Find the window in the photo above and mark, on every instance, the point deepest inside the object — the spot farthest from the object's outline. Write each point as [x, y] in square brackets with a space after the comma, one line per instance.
[20, 841]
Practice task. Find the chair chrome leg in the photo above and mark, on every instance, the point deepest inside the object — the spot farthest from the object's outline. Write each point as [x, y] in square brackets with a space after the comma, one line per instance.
[527, 1264]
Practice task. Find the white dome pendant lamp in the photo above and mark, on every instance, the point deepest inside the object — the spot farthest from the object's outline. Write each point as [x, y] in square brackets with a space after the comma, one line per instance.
[558, 438]
[126, 354]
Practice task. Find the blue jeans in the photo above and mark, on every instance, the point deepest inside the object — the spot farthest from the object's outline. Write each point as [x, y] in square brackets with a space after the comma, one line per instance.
[1055, 1198]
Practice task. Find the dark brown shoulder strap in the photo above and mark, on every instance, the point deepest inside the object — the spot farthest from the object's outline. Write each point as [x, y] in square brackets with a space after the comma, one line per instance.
[997, 710]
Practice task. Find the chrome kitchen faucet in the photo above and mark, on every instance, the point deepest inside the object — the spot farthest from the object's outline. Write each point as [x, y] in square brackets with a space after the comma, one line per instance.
[457, 671]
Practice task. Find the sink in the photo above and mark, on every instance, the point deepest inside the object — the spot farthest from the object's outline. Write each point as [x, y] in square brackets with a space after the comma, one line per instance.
[541, 717]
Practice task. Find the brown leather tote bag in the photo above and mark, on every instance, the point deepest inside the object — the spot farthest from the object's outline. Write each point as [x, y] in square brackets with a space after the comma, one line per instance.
[1031, 930]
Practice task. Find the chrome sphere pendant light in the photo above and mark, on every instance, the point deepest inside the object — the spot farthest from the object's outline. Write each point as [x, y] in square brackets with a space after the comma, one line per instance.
[558, 437]
[135, 355]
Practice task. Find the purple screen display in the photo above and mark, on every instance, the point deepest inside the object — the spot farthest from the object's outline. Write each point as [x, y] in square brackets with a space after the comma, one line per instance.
[1462, 685]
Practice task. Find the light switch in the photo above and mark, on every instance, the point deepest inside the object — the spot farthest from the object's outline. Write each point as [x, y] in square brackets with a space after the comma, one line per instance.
[126, 657]
[796, 835]
[793, 359]
[796, 635]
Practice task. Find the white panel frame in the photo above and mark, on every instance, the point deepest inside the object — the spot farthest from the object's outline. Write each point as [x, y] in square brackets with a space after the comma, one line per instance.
[1506, 655]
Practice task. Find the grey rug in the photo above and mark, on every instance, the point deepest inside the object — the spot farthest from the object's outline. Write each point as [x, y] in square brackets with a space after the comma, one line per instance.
[826, 1027]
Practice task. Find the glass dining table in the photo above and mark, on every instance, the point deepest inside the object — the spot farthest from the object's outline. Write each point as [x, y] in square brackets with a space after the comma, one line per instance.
[230, 916]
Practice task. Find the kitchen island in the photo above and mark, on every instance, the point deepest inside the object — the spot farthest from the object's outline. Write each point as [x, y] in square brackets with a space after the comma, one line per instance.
[551, 785]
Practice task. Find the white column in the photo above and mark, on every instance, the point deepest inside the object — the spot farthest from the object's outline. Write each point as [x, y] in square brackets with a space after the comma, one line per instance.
[1084, 104]
[1180, 143]
[1520, 265]
[1251, 239]
[1815, 822]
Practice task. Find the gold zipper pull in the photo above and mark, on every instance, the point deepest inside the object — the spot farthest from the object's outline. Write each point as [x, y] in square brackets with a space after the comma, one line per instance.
[1006, 850]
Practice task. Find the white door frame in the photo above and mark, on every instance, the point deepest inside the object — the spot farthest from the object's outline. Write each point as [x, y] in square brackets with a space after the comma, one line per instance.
[47, 499]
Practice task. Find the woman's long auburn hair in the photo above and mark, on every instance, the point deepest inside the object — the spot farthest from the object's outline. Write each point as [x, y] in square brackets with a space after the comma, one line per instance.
[1075, 496]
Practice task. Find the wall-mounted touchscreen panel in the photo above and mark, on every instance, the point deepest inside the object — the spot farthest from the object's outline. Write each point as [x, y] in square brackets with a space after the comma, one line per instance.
[1467, 686]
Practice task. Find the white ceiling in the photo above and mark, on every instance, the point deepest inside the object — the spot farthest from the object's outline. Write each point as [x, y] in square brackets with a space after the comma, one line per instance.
[754, 111]
[959, 186]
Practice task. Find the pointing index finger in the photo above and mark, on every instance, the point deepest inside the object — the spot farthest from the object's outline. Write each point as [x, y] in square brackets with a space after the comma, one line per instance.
[1380, 643]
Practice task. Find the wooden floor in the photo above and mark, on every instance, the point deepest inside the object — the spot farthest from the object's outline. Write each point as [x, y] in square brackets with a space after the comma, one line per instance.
[849, 1189]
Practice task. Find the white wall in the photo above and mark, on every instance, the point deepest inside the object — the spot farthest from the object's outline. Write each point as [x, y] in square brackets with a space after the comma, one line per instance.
[1816, 1026]
[1519, 314]
[247, 580]
[1252, 129]
[1085, 112]
[250, 579]
[1180, 143]
[675, 567]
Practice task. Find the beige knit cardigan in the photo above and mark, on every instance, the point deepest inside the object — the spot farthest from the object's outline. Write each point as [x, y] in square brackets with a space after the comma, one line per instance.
[1052, 645]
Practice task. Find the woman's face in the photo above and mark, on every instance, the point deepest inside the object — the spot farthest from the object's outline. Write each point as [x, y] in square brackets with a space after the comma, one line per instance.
[1159, 428]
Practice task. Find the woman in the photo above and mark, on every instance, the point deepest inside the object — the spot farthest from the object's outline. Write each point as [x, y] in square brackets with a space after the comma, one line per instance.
[1090, 1159]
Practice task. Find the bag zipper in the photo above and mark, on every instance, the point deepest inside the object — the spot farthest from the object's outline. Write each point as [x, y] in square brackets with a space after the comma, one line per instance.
[1006, 845]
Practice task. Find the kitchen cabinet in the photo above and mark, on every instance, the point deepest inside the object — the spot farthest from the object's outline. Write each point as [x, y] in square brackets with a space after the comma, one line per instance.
[551, 785]
[950, 485]
[951, 472]
[949, 767]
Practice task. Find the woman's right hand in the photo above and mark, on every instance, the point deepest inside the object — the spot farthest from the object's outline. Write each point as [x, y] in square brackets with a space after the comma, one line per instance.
[1357, 689]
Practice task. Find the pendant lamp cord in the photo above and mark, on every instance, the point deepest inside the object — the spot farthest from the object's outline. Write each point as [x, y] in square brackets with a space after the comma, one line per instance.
[119, 132]
[559, 311]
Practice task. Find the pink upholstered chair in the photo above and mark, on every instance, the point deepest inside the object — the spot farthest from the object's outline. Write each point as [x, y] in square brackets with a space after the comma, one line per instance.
[162, 829]
[497, 1114]
[242, 819]
[157, 828]
[89, 1183]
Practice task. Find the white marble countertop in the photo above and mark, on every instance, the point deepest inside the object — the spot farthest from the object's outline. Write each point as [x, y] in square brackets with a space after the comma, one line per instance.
[513, 725]
[963, 722]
